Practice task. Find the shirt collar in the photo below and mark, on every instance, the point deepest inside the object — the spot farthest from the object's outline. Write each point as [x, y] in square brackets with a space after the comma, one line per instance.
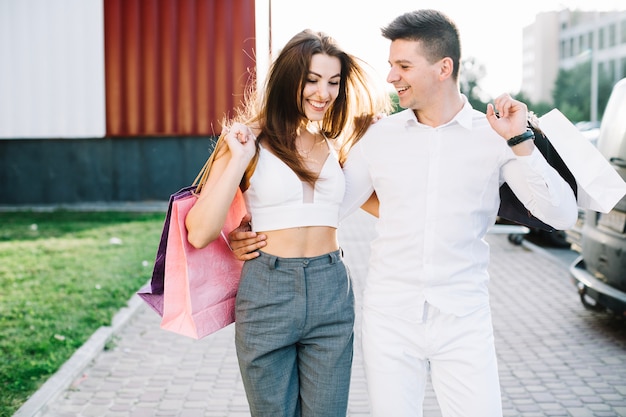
[464, 117]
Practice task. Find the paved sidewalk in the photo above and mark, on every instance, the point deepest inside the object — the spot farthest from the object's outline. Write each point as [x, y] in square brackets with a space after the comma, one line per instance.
[555, 357]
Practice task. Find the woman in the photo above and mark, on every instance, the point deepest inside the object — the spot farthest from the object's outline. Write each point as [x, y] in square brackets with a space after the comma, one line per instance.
[295, 306]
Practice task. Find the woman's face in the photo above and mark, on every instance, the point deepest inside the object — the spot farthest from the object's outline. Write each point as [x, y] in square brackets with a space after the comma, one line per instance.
[321, 86]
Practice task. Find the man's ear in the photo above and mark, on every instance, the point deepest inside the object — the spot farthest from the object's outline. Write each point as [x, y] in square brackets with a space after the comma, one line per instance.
[446, 67]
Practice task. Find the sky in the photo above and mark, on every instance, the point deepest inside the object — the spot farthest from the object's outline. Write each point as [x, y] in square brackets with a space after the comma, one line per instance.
[491, 31]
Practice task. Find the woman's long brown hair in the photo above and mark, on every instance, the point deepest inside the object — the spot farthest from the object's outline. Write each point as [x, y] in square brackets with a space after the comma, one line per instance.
[277, 114]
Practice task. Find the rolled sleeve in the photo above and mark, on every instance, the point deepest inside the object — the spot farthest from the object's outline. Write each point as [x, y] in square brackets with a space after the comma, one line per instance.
[542, 190]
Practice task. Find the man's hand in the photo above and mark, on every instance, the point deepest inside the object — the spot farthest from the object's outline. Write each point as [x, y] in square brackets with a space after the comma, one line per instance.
[511, 118]
[244, 242]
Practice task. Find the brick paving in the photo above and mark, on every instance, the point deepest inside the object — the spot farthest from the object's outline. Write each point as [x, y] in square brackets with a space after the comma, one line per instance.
[555, 357]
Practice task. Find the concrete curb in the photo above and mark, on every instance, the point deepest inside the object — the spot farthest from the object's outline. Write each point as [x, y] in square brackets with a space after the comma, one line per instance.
[71, 369]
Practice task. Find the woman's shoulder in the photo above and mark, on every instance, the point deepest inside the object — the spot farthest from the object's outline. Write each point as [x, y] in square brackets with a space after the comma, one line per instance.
[389, 123]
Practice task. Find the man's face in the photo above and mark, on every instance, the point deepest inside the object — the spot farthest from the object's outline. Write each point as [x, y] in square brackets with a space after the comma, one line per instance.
[412, 75]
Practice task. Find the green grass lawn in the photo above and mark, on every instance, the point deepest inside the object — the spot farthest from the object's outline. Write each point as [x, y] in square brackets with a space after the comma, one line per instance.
[64, 274]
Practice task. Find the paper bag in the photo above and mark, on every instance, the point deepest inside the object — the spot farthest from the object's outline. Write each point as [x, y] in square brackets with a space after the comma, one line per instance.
[193, 289]
[599, 185]
[152, 293]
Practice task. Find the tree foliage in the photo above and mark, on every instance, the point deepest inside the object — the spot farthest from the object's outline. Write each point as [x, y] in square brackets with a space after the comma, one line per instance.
[572, 92]
[472, 72]
[539, 108]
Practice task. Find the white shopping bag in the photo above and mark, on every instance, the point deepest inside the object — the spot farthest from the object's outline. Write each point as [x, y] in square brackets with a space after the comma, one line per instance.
[600, 187]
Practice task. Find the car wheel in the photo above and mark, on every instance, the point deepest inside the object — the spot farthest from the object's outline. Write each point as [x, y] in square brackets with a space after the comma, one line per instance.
[516, 239]
[554, 239]
[590, 303]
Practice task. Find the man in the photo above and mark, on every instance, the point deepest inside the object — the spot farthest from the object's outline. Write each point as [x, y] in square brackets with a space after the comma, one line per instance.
[440, 164]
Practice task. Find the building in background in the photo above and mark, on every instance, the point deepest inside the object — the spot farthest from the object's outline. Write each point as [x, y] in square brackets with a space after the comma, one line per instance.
[540, 63]
[118, 100]
[563, 39]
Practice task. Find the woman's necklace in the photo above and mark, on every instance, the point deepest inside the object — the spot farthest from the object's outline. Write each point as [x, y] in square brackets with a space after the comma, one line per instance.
[306, 152]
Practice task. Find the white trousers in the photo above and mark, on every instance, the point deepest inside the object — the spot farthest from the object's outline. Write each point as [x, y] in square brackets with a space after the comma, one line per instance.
[459, 353]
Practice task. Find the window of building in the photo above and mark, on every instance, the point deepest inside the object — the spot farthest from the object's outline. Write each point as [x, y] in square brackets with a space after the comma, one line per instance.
[602, 66]
[581, 44]
[601, 39]
[611, 69]
[623, 31]
[590, 40]
[607, 69]
[612, 35]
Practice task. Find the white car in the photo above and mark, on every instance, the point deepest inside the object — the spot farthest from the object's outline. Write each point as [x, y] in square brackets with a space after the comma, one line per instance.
[600, 272]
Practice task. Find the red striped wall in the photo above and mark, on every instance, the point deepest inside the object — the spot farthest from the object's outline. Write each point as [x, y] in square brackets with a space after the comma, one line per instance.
[175, 67]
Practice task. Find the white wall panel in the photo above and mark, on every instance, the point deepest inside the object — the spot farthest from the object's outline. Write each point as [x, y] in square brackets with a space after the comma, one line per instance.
[52, 69]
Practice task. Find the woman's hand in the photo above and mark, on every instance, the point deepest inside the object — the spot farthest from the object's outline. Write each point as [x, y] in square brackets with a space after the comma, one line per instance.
[241, 141]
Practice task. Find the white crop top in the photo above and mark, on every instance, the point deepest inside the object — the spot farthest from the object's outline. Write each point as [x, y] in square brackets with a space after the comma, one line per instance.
[277, 199]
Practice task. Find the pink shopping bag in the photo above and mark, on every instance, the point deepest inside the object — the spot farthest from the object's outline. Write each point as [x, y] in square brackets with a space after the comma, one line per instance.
[194, 290]
[200, 285]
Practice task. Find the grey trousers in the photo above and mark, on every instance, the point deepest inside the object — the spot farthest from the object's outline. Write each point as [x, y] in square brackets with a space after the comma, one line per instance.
[294, 331]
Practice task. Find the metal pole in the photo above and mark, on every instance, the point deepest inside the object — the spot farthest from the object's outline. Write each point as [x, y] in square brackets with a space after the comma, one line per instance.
[594, 88]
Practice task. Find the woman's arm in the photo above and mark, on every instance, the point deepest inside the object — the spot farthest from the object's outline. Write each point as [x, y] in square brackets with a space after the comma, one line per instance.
[206, 218]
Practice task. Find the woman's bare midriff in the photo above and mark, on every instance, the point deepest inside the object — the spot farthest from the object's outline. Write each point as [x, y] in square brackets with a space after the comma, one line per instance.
[301, 242]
